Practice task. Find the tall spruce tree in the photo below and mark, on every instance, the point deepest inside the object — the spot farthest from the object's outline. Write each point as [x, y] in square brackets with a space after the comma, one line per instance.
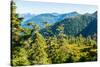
[38, 54]
[18, 54]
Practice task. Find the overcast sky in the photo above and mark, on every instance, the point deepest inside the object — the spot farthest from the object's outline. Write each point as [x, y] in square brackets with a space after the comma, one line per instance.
[43, 7]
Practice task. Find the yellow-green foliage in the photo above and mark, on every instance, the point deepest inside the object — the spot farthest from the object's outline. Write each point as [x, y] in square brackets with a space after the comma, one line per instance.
[39, 55]
[19, 57]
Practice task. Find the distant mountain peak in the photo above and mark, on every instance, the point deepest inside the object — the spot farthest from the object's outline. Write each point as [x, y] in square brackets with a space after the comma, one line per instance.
[74, 12]
[46, 14]
[95, 13]
[56, 14]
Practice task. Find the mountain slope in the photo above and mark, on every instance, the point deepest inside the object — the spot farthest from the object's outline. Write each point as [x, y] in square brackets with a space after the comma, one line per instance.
[82, 24]
[91, 28]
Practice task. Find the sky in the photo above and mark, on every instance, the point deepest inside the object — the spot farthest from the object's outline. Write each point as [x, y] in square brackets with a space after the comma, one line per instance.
[33, 7]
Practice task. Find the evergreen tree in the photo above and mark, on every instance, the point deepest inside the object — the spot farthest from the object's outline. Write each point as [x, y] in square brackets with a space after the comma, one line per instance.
[39, 55]
[15, 24]
[18, 54]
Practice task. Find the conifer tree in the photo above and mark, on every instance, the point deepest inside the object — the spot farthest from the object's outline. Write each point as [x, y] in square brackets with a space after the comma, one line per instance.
[15, 24]
[39, 55]
[18, 54]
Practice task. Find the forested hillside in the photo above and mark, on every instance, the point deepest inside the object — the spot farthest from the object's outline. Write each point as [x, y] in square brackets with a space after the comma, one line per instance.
[62, 42]
[82, 24]
[91, 29]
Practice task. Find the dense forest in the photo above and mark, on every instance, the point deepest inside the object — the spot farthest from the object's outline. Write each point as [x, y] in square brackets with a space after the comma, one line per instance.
[69, 40]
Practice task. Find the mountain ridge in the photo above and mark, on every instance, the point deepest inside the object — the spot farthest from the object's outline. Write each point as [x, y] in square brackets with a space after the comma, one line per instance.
[51, 18]
[81, 24]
